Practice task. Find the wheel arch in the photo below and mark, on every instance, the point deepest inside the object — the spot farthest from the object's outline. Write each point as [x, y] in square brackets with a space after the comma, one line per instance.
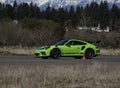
[90, 49]
[53, 49]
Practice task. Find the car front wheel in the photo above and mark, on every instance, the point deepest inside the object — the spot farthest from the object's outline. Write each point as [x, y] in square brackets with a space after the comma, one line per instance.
[55, 53]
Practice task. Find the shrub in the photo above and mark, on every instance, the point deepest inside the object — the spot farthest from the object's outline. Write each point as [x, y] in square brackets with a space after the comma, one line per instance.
[44, 31]
[29, 32]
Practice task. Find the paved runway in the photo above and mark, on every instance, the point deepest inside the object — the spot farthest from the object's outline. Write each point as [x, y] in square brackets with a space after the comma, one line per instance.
[30, 60]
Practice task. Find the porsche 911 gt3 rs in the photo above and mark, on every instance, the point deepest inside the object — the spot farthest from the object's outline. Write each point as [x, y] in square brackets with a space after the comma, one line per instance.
[68, 48]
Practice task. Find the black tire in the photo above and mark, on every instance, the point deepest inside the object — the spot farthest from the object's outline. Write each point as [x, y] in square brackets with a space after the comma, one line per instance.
[55, 53]
[44, 57]
[79, 57]
[89, 54]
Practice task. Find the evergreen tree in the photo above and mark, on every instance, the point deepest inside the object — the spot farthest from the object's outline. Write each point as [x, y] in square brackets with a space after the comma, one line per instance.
[1, 10]
[91, 14]
[78, 15]
[23, 11]
[15, 6]
[103, 16]
[61, 15]
[48, 12]
[53, 14]
[34, 11]
[72, 16]
[115, 17]
[115, 14]
[8, 11]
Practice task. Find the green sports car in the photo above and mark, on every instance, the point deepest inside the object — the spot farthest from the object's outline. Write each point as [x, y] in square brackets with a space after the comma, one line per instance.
[68, 48]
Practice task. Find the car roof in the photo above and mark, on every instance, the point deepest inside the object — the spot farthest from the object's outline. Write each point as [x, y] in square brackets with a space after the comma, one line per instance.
[77, 40]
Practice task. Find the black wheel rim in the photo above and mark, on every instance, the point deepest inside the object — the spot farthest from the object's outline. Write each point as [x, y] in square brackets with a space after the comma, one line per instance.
[56, 54]
[89, 54]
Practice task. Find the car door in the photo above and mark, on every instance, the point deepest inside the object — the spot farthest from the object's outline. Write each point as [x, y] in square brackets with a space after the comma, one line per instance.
[72, 48]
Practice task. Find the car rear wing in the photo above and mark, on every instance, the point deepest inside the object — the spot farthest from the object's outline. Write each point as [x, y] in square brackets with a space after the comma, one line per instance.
[97, 43]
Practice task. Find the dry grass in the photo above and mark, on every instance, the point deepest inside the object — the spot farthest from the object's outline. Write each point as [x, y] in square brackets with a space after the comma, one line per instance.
[111, 52]
[77, 76]
[30, 51]
[17, 50]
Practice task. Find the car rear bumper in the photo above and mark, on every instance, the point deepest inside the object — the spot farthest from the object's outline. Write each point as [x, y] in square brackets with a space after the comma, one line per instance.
[97, 52]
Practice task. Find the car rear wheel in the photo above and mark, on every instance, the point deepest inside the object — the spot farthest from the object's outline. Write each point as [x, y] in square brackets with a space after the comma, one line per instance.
[55, 53]
[89, 54]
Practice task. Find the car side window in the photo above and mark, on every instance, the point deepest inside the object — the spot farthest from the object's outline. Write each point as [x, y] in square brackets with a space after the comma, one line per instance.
[76, 43]
[70, 43]
[82, 43]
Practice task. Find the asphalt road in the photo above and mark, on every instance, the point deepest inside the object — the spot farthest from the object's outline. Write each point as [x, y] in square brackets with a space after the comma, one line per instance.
[30, 60]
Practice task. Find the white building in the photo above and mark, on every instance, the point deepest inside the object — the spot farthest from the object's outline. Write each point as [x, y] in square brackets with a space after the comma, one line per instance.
[98, 29]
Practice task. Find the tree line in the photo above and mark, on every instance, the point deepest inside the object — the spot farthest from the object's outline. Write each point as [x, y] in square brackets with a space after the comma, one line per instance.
[92, 15]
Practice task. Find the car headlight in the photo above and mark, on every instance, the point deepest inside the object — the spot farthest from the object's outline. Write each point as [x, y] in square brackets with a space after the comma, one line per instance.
[47, 47]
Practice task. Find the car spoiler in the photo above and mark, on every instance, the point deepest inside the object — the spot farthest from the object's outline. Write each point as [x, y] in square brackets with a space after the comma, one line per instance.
[97, 43]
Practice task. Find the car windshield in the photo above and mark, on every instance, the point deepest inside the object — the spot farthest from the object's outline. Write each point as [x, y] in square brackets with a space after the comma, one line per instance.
[61, 42]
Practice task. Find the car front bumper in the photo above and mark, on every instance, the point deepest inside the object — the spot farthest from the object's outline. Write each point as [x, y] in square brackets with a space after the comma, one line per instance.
[42, 53]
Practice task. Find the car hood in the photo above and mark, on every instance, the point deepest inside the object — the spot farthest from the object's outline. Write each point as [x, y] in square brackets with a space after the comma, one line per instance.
[43, 47]
[46, 47]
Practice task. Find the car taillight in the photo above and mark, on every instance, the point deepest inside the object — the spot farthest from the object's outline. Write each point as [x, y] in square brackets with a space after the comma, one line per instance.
[97, 47]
